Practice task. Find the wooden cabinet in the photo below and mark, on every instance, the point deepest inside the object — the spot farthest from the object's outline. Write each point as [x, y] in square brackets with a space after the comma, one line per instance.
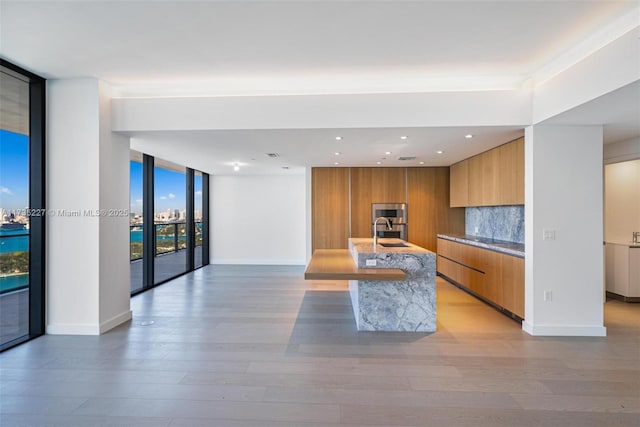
[511, 171]
[374, 185]
[329, 208]
[428, 204]
[495, 277]
[459, 184]
[341, 201]
[495, 177]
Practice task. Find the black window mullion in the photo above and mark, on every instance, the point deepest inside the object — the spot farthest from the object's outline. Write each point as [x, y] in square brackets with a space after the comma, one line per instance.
[191, 237]
[205, 219]
[148, 233]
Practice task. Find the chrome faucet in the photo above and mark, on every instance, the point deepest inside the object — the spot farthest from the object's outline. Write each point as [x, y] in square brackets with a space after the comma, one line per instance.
[375, 234]
[636, 237]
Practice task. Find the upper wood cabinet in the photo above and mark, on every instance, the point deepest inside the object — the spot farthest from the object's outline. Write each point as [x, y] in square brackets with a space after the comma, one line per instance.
[495, 177]
[511, 182]
[428, 205]
[374, 185]
[329, 208]
[459, 184]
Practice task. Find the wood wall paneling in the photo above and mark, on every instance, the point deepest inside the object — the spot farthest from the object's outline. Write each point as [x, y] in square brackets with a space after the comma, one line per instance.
[428, 205]
[330, 208]
[374, 185]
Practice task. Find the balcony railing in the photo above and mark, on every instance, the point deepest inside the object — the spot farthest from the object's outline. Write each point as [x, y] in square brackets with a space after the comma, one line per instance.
[169, 237]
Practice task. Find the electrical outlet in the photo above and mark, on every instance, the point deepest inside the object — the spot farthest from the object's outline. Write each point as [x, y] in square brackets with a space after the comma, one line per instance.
[548, 296]
[548, 234]
[371, 262]
[476, 231]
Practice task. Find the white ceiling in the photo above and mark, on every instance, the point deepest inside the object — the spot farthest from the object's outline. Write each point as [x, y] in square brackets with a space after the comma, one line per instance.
[178, 48]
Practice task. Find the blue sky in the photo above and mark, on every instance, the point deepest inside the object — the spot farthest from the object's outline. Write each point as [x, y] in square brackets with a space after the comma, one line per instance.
[14, 170]
[170, 191]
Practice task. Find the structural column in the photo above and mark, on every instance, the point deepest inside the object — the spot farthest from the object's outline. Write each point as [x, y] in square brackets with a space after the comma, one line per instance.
[564, 231]
[88, 279]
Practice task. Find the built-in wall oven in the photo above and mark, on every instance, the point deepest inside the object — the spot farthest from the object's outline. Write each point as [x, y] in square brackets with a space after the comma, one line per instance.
[396, 213]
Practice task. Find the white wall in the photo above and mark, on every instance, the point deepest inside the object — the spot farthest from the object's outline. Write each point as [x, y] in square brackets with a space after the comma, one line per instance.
[483, 108]
[115, 265]
[258, 219]
[87, 254]
[563, 193]
[621, 201]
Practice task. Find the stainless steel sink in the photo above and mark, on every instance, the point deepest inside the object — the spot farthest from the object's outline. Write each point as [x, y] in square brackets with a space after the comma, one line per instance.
[394, 245]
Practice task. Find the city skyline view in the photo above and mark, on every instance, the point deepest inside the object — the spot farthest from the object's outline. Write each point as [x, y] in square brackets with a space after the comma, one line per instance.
[169, 189]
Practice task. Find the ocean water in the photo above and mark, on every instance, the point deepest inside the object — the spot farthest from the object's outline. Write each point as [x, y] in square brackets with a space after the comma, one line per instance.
[14, 241]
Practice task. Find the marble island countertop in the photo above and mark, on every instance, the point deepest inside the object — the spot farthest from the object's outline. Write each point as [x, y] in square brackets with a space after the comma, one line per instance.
[509, 248]
[365, 245]
[401, 305]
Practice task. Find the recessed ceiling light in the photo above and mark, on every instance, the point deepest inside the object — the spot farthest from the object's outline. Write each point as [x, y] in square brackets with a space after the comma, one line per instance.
[378, 163]
[468, 136]
[439, 152]
[403, 137]
[338, 138]
[236, 167]
[337, 153]
[422, 163]
[336, 163]
[387, 152]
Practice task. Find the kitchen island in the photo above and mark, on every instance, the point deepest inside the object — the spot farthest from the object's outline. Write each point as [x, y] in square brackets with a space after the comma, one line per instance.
[382, 302]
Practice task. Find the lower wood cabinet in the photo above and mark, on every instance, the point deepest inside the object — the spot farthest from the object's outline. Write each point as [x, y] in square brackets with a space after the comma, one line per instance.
[496, 277]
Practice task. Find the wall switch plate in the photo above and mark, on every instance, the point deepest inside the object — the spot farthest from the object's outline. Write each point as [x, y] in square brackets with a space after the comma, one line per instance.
[548, 295]
[548, 234]
[371, 262]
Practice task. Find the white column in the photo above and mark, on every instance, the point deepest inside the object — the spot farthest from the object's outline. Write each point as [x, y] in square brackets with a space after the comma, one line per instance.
[563, 231]
[87, 196]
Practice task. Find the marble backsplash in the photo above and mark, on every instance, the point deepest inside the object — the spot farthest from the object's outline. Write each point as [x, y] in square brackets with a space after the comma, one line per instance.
[496, 222]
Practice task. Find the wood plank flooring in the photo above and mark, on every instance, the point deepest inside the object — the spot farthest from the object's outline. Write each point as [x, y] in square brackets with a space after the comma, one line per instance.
[258, 346]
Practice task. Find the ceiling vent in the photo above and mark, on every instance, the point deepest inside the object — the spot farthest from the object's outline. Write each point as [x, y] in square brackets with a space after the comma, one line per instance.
[403, 159]
[273, 155]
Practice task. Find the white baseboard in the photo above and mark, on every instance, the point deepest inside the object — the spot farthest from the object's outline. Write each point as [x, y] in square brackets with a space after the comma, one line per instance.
[119, 319]
[219, 261]
[72, 329]
[87, 329]
[564, 330]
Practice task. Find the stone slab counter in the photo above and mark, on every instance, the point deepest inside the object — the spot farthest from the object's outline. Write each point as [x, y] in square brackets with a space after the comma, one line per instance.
[402, 305]
[509, 248]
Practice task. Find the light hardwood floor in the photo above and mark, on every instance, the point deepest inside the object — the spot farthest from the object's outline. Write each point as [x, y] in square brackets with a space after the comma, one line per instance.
[258, 346]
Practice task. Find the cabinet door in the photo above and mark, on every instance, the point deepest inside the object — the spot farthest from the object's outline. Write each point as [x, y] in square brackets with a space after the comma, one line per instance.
[459, 184]
[475, 186]
[374, 185]
[491, 176]
[511, 168]
[428, 204]
[513, 284]
[492, 267]
[329, 208]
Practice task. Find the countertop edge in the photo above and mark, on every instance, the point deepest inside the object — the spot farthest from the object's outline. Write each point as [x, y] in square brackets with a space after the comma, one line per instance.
[338, 264]
[483, 245]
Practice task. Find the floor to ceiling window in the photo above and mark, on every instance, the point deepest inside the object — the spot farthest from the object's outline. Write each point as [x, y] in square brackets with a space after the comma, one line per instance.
[168, 220]
[197, 217]
[22, 210]
[136, 221]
